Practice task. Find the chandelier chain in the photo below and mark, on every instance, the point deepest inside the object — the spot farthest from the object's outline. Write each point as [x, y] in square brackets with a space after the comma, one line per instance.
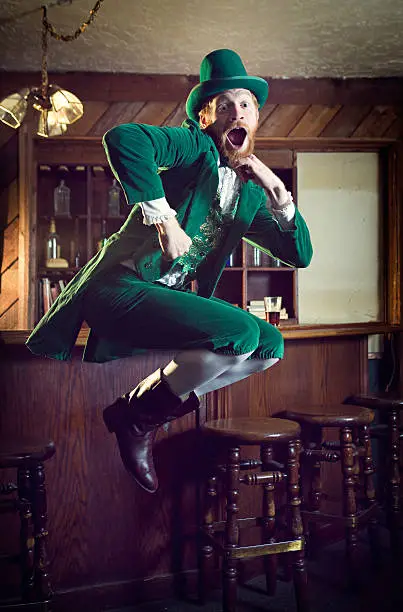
[47, 28]
[69, 37]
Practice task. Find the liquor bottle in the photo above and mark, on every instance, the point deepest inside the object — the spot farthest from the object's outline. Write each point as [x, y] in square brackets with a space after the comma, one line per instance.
[104, 235]
[52, 242]
[257, 257]
[61, 200]
[230, 261]
[114, 200]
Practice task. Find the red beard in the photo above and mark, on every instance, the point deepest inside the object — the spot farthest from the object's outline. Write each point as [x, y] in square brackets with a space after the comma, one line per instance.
[224, 147]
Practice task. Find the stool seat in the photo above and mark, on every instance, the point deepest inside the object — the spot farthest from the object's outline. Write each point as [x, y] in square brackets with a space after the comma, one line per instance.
[377, 401]
[14, 454]
[337, 415]
[254, 430]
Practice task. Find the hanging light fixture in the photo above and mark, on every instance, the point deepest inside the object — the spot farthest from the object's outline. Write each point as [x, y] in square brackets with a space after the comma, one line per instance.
[58, 107]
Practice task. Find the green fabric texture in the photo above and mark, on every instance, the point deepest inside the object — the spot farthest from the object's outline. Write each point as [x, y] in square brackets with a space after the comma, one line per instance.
[221, 70]
[135, 153]
[119, 305]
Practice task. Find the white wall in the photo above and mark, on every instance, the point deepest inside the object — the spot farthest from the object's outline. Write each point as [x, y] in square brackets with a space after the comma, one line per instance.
[338, 195]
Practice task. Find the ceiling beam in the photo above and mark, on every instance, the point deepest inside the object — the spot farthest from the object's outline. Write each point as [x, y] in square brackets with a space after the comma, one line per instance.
[118, 87]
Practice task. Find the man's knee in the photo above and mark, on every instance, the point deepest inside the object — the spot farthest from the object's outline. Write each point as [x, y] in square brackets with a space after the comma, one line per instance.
[245, 334]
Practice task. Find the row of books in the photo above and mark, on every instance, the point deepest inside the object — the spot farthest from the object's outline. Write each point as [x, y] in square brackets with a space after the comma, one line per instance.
[49, 290]
[257, 308]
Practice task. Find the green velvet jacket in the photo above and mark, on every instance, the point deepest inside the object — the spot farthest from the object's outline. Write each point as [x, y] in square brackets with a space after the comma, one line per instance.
[180, 163]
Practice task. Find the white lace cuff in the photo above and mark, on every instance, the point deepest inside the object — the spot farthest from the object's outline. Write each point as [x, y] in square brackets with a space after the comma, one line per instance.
[156, 211]
[285, 215]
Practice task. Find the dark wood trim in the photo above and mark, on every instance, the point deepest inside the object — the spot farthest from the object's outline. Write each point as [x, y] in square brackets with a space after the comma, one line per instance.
[324, 145]
[290, 332]
[27, 227]
[111, 87]
[64, 149]
[393, 250]
[364, 380]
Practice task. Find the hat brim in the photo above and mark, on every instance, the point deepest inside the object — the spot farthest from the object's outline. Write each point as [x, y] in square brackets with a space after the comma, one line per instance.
[201, 92]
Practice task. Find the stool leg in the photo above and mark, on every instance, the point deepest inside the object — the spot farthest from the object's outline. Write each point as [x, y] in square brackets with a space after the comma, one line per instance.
[357, 436]
[369, 490]
[349, 498]
[231, 534]
[393, 492]
[295, 525]
[315, 494]
[39, 509]
[26, 535]
[269, 521]
[206, 549]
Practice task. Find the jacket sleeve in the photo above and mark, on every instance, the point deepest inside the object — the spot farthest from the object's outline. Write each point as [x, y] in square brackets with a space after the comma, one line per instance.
[137, 153]
[292, 246]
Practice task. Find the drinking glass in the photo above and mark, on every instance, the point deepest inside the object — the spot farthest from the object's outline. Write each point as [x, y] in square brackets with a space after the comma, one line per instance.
[272, 306]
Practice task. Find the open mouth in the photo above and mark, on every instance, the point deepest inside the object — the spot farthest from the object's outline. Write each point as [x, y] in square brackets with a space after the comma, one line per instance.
[236, 137]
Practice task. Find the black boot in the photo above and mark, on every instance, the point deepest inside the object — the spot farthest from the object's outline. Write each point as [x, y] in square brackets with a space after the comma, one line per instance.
[135, 423]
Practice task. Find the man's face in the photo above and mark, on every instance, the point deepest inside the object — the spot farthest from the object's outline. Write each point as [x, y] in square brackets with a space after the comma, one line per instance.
[232, 123]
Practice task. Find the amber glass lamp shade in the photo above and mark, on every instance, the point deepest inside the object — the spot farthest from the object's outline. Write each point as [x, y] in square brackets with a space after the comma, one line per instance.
[50, 124]
[14, 107]
[67, 106]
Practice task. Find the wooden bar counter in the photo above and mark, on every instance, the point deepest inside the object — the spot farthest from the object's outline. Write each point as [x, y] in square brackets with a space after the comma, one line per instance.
[111, 543]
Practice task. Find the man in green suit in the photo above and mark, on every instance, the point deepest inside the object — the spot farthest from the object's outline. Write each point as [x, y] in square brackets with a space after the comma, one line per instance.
[195, 191]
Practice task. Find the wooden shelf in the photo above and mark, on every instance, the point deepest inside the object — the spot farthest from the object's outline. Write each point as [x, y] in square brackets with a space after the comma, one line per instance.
[268, 269]
[42, 271]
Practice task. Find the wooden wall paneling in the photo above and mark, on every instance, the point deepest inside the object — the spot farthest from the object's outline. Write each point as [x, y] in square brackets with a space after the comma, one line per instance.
[346, 121]
[117, 113]
[177, 116]
[89, 492]
[9, 157]
[395, 130]
[65, 151]
[278, 158]
[9, 227]
[282, 120]
[265, 112]
[93, 111]
[314, 121]
[9, 287]
[9, 317]
[155, 113]
[376, 123]
[10, 245]
[9, 203]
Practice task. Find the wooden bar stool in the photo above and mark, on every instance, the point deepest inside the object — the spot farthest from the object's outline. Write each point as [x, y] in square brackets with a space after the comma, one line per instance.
[390, 406]
[28, 497]
[264, 472]
[352, 450]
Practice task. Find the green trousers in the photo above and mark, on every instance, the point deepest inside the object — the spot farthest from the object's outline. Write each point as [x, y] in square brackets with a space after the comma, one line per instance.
[128, 316]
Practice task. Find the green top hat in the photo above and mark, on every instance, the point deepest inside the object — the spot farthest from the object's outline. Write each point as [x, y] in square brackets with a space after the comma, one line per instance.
[221, 70]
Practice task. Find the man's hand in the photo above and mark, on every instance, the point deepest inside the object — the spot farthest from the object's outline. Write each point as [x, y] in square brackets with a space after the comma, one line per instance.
[252, 168]
[173, 240]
